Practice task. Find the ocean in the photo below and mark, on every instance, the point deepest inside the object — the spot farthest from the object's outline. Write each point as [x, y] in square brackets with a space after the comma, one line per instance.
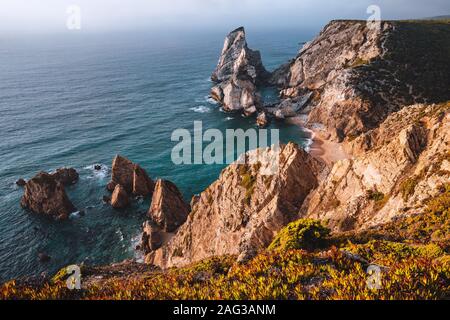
[79, 99]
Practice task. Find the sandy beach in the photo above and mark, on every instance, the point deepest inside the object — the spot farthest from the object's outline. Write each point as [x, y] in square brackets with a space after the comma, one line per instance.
[328, 151]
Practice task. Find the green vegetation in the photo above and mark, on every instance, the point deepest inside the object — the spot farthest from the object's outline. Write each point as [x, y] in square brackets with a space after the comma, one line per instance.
[303, 262]
[379, 198]
[248, 181]
[301, 234]
[358, 62]
[408, 186]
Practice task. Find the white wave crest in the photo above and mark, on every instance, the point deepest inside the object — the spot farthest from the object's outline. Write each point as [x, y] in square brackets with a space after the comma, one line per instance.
[200, 109]
[101, 173]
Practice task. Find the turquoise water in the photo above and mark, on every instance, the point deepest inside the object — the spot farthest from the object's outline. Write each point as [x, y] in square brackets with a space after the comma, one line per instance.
[78, 100]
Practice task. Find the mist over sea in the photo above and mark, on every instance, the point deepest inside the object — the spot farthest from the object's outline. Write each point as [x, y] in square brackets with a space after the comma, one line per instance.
[77, 100]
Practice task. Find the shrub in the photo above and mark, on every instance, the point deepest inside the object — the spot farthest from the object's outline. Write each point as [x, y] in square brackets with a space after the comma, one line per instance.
[301, 234]
[407, 187]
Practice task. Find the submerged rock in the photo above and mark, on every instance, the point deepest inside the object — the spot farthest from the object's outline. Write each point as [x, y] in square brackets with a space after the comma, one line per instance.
[21, 182]
[119, 198]
[168, 209]
[44, 194]
[43, 257]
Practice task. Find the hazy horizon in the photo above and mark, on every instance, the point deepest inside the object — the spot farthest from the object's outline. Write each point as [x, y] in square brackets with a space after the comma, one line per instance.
[50, 16]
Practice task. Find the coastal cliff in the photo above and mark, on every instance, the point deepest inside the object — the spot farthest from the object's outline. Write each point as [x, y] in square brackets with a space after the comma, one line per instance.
[310, 230]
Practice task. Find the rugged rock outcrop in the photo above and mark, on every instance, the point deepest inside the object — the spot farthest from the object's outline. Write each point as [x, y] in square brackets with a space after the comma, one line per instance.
[168, 209]
[44, 194]
[395, 168]
[131, 176]
[238, 73]
[242, 211]
[120, 198]
[151, 237]
[66, 176]
[262, 120]
[354, 74]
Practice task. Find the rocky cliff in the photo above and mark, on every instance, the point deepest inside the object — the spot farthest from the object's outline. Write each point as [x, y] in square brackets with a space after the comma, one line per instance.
[383, 95]
[242, 211]
[353, 74]
[395, 169]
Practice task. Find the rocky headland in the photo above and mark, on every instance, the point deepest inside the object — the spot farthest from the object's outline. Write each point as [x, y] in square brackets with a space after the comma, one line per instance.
[380, 98]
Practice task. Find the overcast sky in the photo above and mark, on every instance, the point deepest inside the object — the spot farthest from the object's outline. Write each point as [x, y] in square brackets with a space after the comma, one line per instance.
[104, 15]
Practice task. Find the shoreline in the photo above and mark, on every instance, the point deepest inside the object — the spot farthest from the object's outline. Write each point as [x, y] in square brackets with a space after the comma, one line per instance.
[320, 147]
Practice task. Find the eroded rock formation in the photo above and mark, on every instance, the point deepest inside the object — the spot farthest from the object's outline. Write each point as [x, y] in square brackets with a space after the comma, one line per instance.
[238, 73]
[45, 194]
[131, 177]
[354, 74]
[168, 209]
[395, 168]
[119, 198]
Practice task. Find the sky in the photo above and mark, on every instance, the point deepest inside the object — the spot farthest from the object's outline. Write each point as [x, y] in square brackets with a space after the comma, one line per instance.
[111, 15]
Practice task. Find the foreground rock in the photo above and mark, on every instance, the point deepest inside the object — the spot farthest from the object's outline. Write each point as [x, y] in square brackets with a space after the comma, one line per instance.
[242, 211]
[119, 198]
[168, 209]
[44, 194]
[131, 177]
[238, 73]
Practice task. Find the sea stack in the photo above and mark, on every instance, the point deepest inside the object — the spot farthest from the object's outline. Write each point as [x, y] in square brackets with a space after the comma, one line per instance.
[131, 177]
[45, 194]
[168, 209]
[237, 75]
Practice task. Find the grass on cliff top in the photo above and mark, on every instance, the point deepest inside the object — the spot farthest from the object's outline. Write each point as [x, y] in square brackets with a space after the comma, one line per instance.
[415, 265]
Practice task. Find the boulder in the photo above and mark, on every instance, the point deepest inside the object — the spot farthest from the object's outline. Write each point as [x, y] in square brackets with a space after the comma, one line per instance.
[119, 198]
[44, 194]
[262, 120]
[168, 209]
[66, 176]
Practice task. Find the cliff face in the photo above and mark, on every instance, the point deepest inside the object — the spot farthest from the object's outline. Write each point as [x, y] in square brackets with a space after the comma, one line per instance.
[361, 84]
[242, 211]
[356, 75]
[395, 169]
